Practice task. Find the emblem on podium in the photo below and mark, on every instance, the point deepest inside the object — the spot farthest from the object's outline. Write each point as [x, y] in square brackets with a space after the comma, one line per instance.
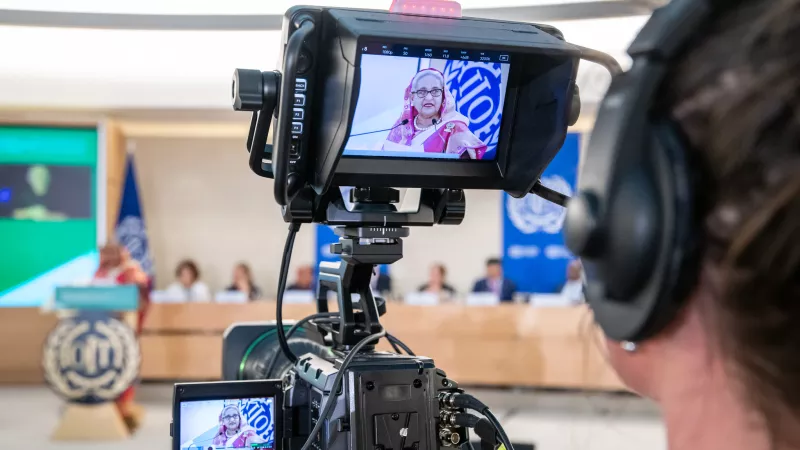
[91, 358]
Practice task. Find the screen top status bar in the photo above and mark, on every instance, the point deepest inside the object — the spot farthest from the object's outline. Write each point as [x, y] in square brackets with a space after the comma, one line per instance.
[421, 51]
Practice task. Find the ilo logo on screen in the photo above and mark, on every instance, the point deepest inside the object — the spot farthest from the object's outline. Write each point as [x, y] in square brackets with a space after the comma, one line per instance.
[479, 92]
[258, 414]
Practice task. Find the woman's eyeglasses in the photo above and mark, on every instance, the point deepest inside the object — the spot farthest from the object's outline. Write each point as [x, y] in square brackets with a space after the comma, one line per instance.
[231, 417]
[422, 93]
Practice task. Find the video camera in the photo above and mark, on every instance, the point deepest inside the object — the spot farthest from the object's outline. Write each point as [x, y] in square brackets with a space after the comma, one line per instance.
[367, 102]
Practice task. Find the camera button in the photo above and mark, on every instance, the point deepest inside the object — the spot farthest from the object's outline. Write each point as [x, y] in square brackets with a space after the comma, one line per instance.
[298, 113]
[299, 99]
[297, 128]
[300, 84]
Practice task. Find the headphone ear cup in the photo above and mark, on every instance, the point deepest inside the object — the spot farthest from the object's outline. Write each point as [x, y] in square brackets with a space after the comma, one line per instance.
[619, 275]
[637, 282]
[632, 235]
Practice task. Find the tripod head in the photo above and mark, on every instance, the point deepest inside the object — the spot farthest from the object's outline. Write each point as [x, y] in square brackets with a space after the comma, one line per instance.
[363, 247]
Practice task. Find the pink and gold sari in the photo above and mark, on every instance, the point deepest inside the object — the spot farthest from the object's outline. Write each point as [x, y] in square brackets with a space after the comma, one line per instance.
[450, 135]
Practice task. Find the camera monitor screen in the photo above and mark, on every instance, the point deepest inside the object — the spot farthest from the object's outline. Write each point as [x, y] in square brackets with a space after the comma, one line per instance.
[227, 423]
[429, 102]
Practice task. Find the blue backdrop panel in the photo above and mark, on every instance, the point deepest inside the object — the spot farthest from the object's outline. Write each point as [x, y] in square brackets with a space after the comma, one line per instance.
[534, 255]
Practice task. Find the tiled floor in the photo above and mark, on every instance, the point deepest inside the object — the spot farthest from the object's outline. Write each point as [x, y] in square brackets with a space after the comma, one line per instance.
[553, 421]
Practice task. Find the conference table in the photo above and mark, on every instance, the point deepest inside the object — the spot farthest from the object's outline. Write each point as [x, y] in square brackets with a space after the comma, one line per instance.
[498, 346]
[502, 345]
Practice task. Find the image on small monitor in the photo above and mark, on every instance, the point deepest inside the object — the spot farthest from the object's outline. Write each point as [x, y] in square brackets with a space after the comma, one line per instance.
[227, 424]
[436, 108]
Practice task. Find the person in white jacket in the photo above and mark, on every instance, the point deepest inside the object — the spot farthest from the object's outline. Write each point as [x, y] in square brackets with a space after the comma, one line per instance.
[188, 285]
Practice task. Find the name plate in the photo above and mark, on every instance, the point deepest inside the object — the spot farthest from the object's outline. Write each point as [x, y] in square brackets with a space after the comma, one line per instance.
[482, 299]
[98, 298]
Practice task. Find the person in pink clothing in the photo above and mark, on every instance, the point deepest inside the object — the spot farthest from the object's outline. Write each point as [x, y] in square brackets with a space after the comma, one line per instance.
[234, 431]
[430, 123]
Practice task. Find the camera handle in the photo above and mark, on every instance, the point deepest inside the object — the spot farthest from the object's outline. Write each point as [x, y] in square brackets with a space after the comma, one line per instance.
[257, 91]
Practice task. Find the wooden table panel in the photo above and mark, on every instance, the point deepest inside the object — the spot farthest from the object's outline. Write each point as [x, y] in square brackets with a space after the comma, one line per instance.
[505, 345]
[22, 335]
[181, 358]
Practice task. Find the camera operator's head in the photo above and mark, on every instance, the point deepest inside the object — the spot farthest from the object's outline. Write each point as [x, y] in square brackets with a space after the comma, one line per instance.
[726, 370]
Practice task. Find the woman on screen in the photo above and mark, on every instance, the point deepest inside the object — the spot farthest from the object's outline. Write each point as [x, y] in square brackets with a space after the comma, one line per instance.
[430, 123]
[234, 431]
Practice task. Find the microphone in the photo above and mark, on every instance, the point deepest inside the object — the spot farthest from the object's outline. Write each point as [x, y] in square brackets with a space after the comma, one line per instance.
[435, 128]
[404, 122]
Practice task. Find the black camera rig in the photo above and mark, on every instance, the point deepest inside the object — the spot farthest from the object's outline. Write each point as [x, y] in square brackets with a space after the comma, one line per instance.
[341, 393]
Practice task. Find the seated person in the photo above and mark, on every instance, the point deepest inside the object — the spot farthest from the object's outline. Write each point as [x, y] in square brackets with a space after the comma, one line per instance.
[380, 282]
[436, 282]
[243, 282]
[495, 283]
[572, 291]
[304, 279]
[188, 283]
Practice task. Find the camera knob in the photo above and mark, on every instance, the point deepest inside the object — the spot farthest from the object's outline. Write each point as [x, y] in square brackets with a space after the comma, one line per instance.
[247, 90]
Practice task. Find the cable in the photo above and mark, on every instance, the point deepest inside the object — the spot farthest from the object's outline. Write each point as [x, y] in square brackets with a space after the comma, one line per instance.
[499, 428]
[396, 349]
[337, 381]
[549, 194]
[312, 317]
[287, 257]
[462, 400]
[602, 59]
[398, 343]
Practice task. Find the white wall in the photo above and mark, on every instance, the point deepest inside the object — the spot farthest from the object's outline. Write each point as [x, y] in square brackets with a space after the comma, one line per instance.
[119, 69]
[202, 202]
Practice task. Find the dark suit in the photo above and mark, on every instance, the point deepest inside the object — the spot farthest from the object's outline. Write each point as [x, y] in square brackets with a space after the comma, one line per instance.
[383, 284]
[507, 289]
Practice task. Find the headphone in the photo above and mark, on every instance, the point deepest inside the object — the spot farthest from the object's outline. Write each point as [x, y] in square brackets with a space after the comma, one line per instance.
[635, 222]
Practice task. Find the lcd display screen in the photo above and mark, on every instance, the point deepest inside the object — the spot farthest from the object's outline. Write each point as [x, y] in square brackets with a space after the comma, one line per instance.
[426, 102]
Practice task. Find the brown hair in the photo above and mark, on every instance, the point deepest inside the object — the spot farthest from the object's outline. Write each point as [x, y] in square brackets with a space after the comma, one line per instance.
[736, 95]
[189, 265]
[246, 269]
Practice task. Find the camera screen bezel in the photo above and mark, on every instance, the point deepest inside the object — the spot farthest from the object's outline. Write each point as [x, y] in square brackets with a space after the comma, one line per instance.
[225, 390]
[428, 172]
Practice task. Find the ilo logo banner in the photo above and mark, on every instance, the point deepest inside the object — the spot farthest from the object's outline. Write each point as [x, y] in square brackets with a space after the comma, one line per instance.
[535, 256]
[91, 358]
[479, 90]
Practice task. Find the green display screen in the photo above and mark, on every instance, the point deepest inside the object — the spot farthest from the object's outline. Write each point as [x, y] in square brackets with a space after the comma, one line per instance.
[48, 211]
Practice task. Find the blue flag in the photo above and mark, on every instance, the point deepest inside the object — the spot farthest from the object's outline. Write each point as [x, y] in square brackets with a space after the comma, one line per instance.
[535, 256]
[130, 230]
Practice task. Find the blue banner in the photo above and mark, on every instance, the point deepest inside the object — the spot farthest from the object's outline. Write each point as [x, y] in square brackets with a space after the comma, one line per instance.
[130, 230]
[534, 254]
[325, 237]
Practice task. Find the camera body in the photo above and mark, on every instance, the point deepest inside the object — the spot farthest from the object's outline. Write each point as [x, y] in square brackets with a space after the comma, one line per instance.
[387, 402]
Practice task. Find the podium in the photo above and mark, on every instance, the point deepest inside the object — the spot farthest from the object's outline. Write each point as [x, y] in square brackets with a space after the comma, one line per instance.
[91, 358]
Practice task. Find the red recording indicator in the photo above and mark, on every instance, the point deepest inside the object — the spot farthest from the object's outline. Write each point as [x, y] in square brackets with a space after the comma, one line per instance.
[440, 8]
